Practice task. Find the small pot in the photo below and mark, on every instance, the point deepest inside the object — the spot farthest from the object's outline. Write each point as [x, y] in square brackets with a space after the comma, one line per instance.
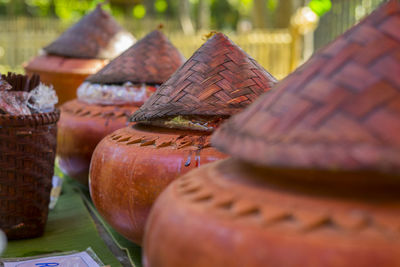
[133, 165]
[81, 127]
[230, 213]
[64, 73]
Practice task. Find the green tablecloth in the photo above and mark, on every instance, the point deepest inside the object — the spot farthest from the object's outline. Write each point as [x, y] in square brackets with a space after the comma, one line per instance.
[71, 227]
[133, 251]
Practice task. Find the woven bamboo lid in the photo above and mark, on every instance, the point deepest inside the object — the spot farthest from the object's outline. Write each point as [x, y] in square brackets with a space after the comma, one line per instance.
[151, 60]
[340, 110]
[219, 79]
[96, 35]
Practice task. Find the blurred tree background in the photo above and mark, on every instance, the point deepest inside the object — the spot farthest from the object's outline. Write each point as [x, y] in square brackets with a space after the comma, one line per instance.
[190, 15]
[264, 28]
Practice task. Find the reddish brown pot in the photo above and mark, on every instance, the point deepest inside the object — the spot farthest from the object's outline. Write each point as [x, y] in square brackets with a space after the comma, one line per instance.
[65, 74]
[232, 214]
[132, 166]
[80, 129]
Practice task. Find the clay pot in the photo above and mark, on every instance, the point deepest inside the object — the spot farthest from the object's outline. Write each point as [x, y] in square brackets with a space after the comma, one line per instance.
[133, 165]
[80, 129]
[314, 178]
[64, 73]
[145, 65]
[230, 213]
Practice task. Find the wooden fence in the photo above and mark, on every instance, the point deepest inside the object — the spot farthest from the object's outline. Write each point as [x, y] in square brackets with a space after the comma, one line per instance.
[343, 15]
[22, 38]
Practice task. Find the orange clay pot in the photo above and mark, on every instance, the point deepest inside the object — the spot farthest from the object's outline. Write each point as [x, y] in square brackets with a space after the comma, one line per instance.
[80, 128]
[229, 213]
[65, 74]
[132, 166]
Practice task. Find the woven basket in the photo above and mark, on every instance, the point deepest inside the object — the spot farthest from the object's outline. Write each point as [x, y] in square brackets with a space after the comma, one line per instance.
[27, 152]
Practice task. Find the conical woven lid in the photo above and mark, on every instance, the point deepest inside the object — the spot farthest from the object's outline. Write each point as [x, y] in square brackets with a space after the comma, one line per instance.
[219, 79]
[340, 110]
[152, 60]
[96, 35]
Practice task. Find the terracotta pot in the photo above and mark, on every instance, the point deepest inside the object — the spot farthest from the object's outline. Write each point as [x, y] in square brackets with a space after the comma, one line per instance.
[229, 213]
[132, 166]
[80, 129]
[64, 73]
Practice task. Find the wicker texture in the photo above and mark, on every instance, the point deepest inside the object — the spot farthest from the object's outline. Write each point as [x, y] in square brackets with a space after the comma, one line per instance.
[14, 100]
[27, 152]
[151, 60]
[340, 110]
[219, 79]
[95, 36]
[21, 82]
[4, 85]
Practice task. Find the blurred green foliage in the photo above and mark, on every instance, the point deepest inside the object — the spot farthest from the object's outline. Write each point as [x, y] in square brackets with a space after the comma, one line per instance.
[224, 13]
[320, 7]
[139, 11]
[272, 5]
[72, 9]
[161, 6]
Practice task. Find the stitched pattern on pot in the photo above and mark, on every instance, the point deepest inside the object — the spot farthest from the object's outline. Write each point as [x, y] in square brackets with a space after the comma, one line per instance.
[110, 112]
[196, 191]
[179, 142]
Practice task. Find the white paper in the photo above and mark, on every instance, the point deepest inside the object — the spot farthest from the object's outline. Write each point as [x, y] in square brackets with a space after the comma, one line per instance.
[81, 259]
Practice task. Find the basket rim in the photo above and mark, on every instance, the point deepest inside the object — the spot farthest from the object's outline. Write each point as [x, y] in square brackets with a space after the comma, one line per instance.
[30, 120]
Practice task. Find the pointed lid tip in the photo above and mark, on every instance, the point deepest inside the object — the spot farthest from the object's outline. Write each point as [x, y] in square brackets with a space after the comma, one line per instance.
[151, 60]
[160, 26]
[340, 110]
[96, 35]
[219, 79]
[211, 34]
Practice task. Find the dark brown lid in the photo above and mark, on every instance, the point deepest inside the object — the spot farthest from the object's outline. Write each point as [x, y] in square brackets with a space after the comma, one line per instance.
[219, 79]
[340, 110]
[96, 35]
[151, 60]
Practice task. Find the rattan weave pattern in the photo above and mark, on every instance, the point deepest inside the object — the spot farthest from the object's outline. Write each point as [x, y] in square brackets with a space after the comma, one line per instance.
[27, 152]
[151, 60]
[96, 35]
[19, 82]
[219, 79]
[340, 110]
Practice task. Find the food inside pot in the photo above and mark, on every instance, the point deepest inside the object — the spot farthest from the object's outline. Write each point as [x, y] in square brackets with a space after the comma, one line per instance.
[115, 94]
[196, 123]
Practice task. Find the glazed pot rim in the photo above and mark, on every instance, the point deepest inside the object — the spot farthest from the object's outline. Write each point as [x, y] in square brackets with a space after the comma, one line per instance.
[85, 104]
[357, 182]
[39, 64]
